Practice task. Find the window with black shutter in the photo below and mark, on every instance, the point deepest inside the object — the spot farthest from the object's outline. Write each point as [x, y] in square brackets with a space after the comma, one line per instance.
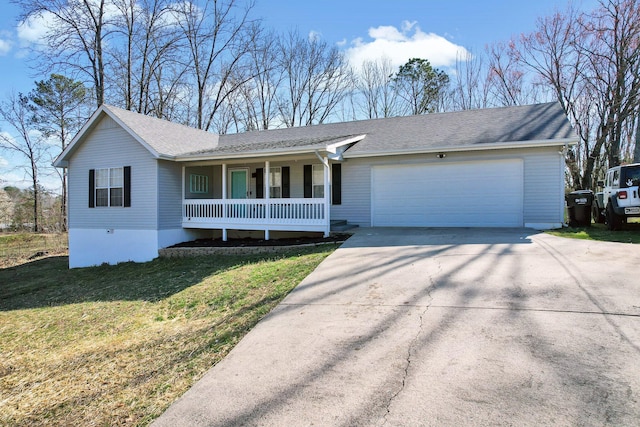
[110, 187]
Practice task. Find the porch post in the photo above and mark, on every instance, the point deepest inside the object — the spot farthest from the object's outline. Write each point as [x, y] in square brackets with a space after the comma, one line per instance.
[224, 200]
[267, 197]
[183, 195]
[327, 197]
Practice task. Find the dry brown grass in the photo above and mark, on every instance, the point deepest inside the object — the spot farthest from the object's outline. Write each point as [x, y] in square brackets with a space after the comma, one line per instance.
[18, 248]
[115, 345]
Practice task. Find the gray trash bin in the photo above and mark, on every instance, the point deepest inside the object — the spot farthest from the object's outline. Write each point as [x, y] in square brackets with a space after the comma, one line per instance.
[579, 206]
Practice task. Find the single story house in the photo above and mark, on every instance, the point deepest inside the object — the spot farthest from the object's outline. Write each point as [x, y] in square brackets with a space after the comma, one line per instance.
[138, 184]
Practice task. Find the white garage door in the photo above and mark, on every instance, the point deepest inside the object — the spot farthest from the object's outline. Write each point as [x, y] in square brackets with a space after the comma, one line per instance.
[470, 194]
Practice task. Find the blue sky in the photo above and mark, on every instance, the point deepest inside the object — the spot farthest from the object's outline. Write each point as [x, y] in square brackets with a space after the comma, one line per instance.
[365, 29]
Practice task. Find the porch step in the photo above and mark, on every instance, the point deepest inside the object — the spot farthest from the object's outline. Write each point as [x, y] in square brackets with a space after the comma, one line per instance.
[338, 225]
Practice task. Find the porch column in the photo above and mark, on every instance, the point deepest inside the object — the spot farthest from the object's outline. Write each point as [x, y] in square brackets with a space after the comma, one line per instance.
[327, 197]
[182, 191]
[267, 197]
[224, 199]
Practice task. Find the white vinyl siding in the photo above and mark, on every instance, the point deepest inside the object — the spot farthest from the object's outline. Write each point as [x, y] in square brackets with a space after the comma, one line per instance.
[169, 195]
[108, 145]
[543, 181]
[356, 193]
[544, 186]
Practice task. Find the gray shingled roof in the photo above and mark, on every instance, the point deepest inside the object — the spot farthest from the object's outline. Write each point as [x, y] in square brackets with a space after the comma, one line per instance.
[472, 129]
[166, 138]
[229, 146]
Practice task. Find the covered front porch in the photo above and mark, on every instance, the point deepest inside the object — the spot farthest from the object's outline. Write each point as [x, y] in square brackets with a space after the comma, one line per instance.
[288, 194]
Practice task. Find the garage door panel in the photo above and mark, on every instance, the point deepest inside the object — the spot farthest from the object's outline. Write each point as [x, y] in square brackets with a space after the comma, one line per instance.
[472, 194]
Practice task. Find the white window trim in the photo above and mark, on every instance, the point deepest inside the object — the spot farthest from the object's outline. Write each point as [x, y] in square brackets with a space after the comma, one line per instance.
[109, 187]
[198, 183]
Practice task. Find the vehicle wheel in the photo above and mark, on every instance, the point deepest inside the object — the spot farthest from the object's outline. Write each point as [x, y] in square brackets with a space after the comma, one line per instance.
[614, 221]
[596, 213]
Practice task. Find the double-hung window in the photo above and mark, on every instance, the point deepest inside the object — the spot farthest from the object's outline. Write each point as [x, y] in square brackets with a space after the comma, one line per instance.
[318, 181]
[275, 183]
[110, 187]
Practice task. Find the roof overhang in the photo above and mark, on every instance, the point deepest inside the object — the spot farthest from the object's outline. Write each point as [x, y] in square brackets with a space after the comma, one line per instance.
[333, 150]
[476, 147]
[62, 161]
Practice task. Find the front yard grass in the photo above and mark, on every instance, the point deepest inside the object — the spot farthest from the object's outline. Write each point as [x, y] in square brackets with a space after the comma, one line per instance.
[116, 345]
[629, 234]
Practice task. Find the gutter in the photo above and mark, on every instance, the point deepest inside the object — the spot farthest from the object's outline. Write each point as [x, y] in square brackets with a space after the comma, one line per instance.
[479, 147]
[244, 155]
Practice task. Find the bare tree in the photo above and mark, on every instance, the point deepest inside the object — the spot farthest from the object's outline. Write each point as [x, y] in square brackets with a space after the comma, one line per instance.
[256, 100]
[592, 64]
[268, 76]
[614, 57]
[470, 85]
[17, 112]
[507, 78]
[75, 38]
[215, 36]
[374, 85]
[147, 54]
[316, 80]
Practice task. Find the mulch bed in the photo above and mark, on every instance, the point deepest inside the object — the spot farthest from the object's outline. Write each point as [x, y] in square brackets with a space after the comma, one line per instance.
[218, 243]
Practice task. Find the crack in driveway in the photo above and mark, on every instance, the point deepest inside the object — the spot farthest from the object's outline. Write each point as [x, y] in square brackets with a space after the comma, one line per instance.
[411, 347]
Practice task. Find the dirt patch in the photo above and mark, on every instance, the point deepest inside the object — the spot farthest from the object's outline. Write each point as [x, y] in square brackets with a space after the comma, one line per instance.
[247, 242]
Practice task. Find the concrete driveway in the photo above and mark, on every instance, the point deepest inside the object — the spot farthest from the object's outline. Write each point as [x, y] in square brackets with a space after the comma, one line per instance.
[440, 327]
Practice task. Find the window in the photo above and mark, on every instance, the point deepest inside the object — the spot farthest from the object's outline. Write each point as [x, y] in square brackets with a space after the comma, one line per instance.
[198, 184]
[318, 181]
[275, 183]
[109, 187]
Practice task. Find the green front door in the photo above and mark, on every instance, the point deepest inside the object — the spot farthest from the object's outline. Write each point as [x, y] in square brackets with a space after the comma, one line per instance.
[239, 184]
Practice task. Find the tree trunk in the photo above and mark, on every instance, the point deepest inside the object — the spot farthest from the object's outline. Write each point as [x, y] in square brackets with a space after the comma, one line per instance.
[636, 150]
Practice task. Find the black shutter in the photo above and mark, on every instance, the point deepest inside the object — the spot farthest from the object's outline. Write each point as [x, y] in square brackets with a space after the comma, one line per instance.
[286, 182]
[308, 181]
[92, 188]
[336, 183]
[260, 183]
[127, 186]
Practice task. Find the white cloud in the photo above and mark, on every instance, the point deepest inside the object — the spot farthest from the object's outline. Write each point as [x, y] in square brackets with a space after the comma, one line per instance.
[402, 44]
[3, 162]
[34, 28]
[5, 46]
[314, 35]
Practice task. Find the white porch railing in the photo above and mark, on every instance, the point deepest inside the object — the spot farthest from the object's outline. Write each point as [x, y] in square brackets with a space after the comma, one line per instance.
[255, 214]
